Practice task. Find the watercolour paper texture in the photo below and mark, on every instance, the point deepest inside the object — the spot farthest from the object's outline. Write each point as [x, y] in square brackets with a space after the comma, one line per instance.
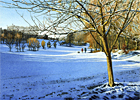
[66, 49]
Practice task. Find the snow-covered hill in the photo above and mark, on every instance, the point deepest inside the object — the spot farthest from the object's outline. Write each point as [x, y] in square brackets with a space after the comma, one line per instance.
[63, 73]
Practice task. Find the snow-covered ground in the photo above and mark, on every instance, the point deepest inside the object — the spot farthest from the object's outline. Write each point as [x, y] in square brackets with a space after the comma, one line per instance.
[62, 73]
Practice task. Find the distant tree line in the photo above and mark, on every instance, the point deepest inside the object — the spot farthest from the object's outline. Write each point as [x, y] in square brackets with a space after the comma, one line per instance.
[123, 41]
[18, 39]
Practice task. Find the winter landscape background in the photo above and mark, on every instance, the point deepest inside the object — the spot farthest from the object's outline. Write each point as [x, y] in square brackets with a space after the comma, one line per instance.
[62, 73]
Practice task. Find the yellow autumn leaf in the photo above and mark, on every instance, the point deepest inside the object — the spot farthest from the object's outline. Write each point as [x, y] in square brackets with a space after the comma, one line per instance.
[58, 11]
[53, 9]
[47, 4]
[70, 4]
[105, 23]
[76, 16]
[72, 30]
[84, 21]
[77, 6]
[59, 1]
[41, 8]
[101, 27]
[92, 29]
[60, 4]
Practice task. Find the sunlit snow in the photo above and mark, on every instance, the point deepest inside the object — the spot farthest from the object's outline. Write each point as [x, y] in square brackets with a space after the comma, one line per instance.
[64, 73]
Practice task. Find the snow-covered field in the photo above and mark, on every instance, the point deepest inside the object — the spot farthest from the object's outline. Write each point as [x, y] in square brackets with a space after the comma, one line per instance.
[62, 73]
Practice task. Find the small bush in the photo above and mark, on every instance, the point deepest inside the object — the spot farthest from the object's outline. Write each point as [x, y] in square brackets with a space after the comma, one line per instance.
[33, 43]
[43, 44]
[126, 52]
[95, 51]
[124, 48]
[30, 40]
[114, 50]
[132, 49]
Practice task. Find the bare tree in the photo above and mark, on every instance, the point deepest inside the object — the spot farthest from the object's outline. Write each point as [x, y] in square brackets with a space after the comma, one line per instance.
[70, 39]
[9, 41]
[103, 17]
[2, 38]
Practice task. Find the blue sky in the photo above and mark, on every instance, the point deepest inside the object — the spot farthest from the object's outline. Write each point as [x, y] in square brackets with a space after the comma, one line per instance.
[9, 16]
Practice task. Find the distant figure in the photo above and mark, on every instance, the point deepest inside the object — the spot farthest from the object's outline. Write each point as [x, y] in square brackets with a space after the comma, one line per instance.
[55, 44]
[49, 44]
[91, 50]
[82, 50]
[85, 50]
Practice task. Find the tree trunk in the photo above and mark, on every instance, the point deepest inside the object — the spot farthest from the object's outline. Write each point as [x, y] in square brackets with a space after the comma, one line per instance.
[136, 45]
[95, 46]
[109, 39]
[109, 62]
[3, 41]
[110, 70]
[119, 44]
[126, 42]
[101, 49]
[10, 48]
